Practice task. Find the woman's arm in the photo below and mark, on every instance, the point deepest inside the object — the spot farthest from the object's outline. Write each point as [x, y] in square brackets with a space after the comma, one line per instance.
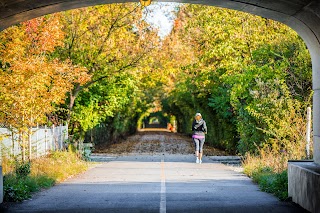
[205, 128]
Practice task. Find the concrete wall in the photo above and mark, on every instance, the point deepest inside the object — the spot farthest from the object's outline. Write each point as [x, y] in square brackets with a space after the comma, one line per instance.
[304, 185]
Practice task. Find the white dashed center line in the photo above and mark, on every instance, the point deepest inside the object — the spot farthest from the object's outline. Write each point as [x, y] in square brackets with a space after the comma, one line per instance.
[163, 204]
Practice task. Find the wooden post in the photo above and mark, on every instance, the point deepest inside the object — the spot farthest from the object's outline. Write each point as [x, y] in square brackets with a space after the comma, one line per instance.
[66, 133]
[308, 134]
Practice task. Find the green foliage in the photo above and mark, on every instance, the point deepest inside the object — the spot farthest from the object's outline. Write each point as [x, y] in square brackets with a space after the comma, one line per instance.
[251, 81]
[104, 100]
[115, 45]
[122, 124]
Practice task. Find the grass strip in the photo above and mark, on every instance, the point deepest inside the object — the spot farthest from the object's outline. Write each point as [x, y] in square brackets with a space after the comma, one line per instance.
[44, 173]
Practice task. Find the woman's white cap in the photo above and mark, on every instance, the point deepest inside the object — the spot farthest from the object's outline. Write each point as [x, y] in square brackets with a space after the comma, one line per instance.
[198, 114]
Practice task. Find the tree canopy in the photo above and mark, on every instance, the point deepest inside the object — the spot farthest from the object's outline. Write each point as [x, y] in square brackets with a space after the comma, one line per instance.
[105, 66]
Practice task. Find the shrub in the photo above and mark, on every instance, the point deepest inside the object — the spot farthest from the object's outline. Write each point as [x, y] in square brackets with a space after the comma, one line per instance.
[15, 189]
[271, 182]
[23, 169]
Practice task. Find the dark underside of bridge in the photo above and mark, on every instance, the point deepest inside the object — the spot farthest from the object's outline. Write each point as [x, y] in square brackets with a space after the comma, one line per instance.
[14, 11]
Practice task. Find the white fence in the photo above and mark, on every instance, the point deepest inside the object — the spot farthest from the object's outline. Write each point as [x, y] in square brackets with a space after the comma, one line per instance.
[43, 140]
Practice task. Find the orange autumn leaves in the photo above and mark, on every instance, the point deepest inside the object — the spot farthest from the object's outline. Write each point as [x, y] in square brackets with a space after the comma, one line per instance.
[31, 83]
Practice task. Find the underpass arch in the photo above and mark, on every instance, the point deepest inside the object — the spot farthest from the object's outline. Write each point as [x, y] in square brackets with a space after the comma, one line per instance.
[303, 16]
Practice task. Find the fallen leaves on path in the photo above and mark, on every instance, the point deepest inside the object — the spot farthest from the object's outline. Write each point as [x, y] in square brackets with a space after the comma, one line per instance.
[156, 143]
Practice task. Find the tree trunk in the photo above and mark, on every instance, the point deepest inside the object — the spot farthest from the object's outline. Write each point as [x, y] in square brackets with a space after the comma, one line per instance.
[73, 94]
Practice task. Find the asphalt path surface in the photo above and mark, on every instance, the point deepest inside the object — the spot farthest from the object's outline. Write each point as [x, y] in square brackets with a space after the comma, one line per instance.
[159, 182]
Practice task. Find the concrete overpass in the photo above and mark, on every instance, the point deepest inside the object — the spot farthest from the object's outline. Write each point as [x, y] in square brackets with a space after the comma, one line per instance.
[301, 15]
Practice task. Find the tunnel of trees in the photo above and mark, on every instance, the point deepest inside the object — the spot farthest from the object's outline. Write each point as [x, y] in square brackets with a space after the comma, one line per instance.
[156, 120]
[101, 68]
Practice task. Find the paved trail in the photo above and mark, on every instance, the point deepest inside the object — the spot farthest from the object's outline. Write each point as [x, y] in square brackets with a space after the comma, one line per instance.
[156, 182]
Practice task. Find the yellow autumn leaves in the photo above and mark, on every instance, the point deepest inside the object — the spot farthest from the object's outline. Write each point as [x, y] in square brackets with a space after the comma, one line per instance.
[30, 83]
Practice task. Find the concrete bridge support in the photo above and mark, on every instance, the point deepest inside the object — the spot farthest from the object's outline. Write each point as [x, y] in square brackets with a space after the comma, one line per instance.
[316, 111]
[302, 15]
[1, 185]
